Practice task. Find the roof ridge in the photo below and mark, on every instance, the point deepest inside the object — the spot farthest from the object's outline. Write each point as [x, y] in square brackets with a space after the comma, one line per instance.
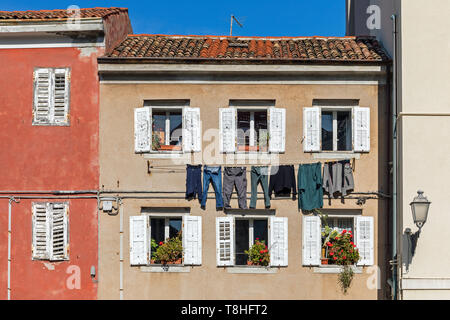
[243, 37]
[50, 10]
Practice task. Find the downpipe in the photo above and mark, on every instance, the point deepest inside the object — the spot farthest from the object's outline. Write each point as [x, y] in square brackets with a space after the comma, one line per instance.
[10, 202]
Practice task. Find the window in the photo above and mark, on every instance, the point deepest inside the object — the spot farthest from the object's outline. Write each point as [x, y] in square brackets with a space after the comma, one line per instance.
[50, 231]
[51, 96]
[148, 231]
[236, 235]
[244, 129]
[252, 132]
[314, 238]
[336, 129]
[167, 129]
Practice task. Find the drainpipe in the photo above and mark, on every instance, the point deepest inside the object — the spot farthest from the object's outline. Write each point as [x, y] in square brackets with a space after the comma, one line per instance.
[121, 250]
[395, 259]
[11, 200]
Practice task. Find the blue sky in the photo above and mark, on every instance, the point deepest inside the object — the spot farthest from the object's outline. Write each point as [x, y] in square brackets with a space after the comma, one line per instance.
[260, 18]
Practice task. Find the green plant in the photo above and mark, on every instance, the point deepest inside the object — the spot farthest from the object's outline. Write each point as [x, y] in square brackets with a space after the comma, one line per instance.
[154, 246]
[342, 251]
[170, 251]
[156, 139]
[258, 254]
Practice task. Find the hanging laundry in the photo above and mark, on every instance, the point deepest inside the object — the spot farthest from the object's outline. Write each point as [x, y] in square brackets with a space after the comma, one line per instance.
[282, 181]
[310, 189]
[235, 177]
[212, 175]
[194, 182]
[338, 178]
[260, 175]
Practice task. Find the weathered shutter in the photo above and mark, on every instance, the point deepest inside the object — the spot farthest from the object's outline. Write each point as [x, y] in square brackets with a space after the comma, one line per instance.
[192, 130]
[142, 130]
[138, 240]
[225, 241]
[361, 129]
[42, 96]
[278, 242]
[277, 130]
[192, 240]
[61, 89]
[364, 240]
[41, 232]
[227, 123]
[59, 231]
[311, 129]
[312, 241]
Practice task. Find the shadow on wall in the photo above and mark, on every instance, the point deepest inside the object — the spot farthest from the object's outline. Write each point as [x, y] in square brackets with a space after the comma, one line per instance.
[410, 241]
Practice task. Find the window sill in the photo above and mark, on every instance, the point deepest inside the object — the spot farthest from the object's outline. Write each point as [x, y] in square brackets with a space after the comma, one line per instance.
[337, 155]
[168, 155]
[336, 269]
[171, 268]
[251, 270]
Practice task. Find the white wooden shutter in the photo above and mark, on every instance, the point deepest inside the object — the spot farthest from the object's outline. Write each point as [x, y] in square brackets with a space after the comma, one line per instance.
[192, 140]
[361, 129]
[312, 130]
[278, 242]
[142, 130]
[59, 231]
[42, 96]
[227, 124]
[364, 240]
[41, 232]
[139, 240]
[225, 241]
[312, 241]
[192, 240]
[277, 130]
[61, 88]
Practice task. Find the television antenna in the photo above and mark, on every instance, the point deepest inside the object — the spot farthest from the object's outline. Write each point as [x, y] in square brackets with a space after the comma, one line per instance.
[231, 24]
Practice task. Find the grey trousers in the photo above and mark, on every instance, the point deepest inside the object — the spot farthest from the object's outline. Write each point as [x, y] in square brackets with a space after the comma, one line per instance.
[235, 177]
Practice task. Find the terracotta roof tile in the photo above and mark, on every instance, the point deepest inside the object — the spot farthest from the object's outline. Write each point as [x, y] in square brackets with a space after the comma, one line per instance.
[59, 14]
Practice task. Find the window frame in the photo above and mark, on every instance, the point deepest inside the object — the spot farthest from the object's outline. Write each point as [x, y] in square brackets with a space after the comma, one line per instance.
[167, 110]
[334, 110]
[252, 130]
[251, 234]
[52, 123]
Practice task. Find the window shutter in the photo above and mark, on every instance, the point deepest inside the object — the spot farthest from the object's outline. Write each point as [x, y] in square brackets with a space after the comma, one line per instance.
[61, 87]
[41, 232]
[192, 240]
[192, 140]
[364, 240]
[142, 130]
[277, 130]
[312, 241]
[278, 242]
[42, 96]
[139, 240]
[227, 130]
[59, 233]
[361, 129]
[225, 241]
[311, 129]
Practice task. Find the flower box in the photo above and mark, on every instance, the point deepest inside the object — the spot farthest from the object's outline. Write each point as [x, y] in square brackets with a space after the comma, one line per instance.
[169, 148]
[324, 261]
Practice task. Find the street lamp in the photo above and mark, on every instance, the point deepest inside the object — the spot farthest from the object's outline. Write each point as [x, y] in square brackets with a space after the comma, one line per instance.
[419, 207]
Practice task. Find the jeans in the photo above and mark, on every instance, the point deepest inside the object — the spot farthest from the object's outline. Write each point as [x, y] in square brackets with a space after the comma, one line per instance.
[194, 182]
[260, 175]
[235, 177]
[212, 175]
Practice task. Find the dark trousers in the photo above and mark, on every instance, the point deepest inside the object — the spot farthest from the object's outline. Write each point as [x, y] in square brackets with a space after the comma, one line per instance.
[235, 177]
[212, 175]
[194, 182]
[260, 175]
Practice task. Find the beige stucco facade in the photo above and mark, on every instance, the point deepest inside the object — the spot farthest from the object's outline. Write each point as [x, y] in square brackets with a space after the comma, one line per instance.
[424, 150]
[123, 169]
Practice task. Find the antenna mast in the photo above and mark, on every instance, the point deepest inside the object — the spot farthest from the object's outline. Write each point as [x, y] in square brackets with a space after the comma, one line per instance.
[231, 24]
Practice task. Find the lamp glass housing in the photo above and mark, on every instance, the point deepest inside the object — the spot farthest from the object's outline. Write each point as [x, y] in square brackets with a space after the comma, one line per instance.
[419, 208]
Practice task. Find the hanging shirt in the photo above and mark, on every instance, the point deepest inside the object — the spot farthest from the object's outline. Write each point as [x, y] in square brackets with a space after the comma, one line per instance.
[282, 181]
[310, 189]
[338, 178]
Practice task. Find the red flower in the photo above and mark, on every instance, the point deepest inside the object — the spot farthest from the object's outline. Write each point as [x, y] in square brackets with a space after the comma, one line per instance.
[351, 243]
[257, 239]
[161, 243]
[344, 257]
[334, 258]
[331, 253]
[344, 232]
[261, 252]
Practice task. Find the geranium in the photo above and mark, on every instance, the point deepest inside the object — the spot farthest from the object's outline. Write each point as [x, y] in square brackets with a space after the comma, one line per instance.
[258, 254]
[344, 249]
